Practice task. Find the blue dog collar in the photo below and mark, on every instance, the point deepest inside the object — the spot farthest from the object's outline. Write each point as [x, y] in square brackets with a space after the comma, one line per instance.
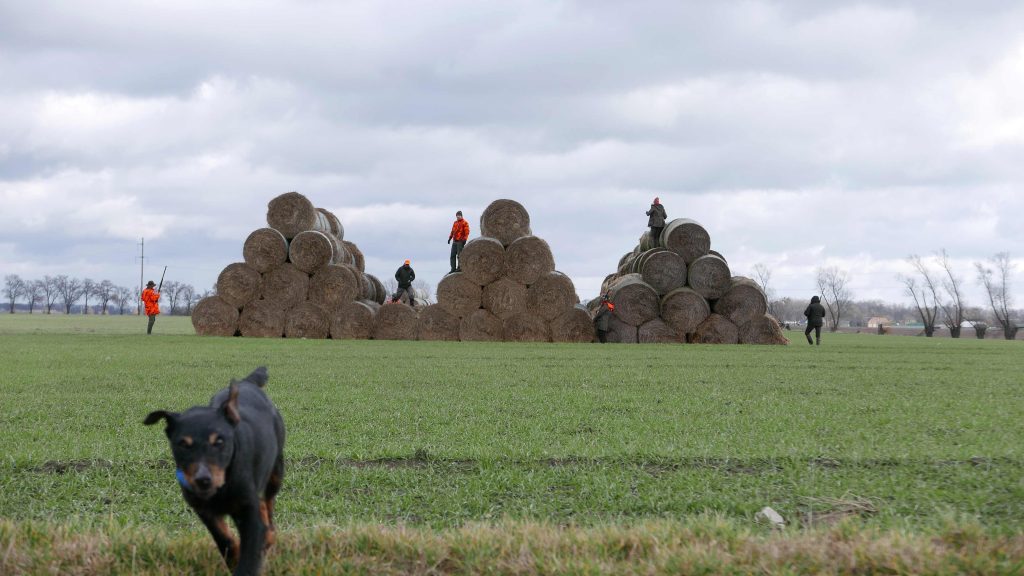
[181, 479]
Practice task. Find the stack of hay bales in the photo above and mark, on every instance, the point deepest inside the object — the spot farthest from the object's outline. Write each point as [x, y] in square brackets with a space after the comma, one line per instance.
[677, 289]
[300, 278]
[507, 289]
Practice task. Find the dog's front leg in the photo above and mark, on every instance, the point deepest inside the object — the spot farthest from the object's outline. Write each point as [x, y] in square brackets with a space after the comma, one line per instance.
[252, 532]
[226, 544]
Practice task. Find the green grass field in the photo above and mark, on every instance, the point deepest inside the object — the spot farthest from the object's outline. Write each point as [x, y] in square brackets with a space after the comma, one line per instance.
[398, 452]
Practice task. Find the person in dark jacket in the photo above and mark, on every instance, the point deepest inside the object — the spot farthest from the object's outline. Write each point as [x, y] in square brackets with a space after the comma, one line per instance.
[656, 220]
[604, 314]
[405, 275]
[815, 313]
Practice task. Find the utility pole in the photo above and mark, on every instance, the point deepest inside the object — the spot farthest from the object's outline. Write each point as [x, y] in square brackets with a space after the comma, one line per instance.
[142, 273]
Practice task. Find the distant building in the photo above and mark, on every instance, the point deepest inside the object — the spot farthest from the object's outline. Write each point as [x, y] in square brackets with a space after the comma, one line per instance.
[876, 321]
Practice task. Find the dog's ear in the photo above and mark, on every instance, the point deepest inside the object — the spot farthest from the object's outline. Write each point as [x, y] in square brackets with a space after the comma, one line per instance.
[230, 406]
[156, 415]
[259, 376]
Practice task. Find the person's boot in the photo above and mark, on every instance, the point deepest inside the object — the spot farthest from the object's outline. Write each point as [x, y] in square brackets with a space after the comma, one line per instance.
[809, 341]
[819, 341]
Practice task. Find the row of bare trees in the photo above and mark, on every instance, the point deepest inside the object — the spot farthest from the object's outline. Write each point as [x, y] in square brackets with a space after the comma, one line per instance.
[66, 293]
[938, 295]
[935, 288]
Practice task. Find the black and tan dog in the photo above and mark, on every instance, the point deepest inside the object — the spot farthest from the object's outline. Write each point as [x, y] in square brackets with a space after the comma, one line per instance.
[230, 461]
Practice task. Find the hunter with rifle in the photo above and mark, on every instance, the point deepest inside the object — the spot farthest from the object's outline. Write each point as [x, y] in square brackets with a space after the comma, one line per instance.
[151, 298]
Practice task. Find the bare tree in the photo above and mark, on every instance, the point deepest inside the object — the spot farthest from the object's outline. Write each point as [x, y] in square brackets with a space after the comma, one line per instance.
[88, 289]
[34, 294]
[832, 283]
[122, 296]
[925, 294]
[50, 292]
[137, 294]
[105, 292]
[762, 276]
[14, 288]
[391, 286]
[997, 284]
[424, 290]
[70, 290]
[189, 297]
[171, 290]
[953, 309]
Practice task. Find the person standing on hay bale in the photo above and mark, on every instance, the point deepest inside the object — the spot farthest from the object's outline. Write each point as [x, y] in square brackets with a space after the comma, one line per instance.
[604, 314]
[151, 298]
[405, 275]
[656, 217]
[815, 313]
[457, 238]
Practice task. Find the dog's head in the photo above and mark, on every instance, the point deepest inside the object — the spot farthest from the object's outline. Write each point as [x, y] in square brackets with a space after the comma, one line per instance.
[203, 442]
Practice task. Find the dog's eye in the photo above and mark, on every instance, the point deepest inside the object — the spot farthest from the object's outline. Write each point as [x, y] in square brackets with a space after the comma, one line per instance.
[184, 443]
[218, 442]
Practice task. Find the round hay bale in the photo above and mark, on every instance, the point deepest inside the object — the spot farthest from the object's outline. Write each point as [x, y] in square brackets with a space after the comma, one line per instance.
[458, 294]
[658, 332]
[623, 259]
[683, 310]
[525, 327]
[354, 321]
[238, 284]
[265, 249]
[635, 301]
[291, 213]
[367, 289]
[742, 302]
[438, 324]
[505, 220]
[551, 296]
[527, 259]
[719, 254]
[380, 292]
[763, 329]
[311, 250]
[709, 276]
[307, 320]
[213, 316]
[481, 326]
[358, 260]
[626, 263]
[504, 297]
[716, 329]
[622, 333]
[262, 319]
[687, 238]
[663, 269]
[396, 322]
[483, 260]
[340, 254]
[608, 281]
[648, 242]
[573, 326]
[334, 286]
[333, 224]
[285, 286]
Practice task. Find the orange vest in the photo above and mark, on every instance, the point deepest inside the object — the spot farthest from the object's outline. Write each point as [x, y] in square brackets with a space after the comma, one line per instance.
[151, 298]
[460, 231]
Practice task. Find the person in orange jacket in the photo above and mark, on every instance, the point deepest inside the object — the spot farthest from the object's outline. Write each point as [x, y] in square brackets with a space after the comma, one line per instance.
[152, 300]
[602, 318]
[458, 237]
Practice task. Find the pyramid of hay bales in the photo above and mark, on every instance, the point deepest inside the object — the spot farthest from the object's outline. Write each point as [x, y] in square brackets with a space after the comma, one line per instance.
[507, 289]
[675, 288]
[300, 278]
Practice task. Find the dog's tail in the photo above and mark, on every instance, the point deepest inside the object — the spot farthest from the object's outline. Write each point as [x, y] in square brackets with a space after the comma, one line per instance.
[258, 377]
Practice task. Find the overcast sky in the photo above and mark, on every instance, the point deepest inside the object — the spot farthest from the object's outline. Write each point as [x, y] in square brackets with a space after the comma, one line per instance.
[800, 134]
